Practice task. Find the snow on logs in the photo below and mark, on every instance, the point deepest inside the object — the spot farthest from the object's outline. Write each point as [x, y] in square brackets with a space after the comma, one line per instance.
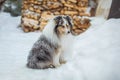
[36, 13]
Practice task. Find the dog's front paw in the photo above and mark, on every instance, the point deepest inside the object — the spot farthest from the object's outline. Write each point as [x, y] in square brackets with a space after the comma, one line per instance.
[57, 65]
[51, 66]
[62, 61]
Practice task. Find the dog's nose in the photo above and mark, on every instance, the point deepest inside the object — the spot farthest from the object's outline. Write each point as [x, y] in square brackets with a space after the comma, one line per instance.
[68, 32]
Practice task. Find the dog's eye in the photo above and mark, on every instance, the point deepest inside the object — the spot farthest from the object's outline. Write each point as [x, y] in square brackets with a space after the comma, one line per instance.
[63, 26]
[67, 25]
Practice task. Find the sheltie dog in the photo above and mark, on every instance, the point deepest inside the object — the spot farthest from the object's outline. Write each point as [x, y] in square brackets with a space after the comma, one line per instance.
[47, 52]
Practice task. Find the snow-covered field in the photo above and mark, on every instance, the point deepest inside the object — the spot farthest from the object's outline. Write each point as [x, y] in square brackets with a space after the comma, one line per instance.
[96, 54]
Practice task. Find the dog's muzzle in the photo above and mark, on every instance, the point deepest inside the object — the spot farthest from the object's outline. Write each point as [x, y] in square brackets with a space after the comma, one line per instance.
[68, 32]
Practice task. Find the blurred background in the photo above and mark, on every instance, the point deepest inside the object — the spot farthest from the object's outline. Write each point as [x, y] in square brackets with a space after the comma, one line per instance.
[14, 7]
[11, 6]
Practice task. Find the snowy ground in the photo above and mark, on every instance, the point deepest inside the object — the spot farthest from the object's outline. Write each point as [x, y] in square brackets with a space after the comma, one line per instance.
[96, 53]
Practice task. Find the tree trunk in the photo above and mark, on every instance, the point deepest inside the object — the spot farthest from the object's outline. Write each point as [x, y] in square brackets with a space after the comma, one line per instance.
[103, 8]
[1, 2]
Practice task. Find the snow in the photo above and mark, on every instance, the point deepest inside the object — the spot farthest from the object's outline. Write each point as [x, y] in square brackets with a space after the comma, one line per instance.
[95, 57]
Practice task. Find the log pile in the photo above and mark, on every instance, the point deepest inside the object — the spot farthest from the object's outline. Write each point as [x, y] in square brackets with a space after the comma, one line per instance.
[36, 13]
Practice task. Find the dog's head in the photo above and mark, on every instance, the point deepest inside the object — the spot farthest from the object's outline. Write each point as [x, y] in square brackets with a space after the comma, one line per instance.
[63, 25]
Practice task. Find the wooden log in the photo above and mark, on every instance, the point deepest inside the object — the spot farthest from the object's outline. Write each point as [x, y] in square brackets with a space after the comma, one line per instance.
[31, 8]
[71, 12]
[74, 1]
[77, 31]
[25, 30]
[84, 14]
[69, 5]
[35, 27]
[46, 15]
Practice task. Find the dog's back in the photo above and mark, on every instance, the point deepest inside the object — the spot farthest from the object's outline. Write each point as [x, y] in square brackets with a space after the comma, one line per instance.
[41, 55]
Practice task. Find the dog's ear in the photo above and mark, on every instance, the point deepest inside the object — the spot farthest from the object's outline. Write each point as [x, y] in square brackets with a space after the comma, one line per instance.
[69, 21]
[58, 20]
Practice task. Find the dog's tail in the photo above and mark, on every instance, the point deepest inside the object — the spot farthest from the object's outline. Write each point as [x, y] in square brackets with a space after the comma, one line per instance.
[41, 59]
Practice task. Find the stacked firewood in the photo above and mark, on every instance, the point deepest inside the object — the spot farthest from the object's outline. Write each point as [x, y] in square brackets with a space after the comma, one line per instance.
[36, 13]
[80, 24]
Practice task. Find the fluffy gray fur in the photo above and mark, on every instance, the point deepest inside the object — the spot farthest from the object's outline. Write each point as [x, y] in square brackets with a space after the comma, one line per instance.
[42, 53]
